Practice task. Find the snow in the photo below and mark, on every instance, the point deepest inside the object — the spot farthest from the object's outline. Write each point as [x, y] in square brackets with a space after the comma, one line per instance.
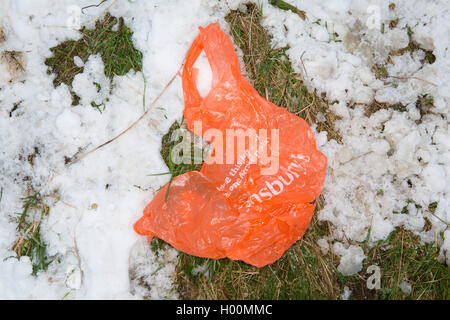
[204, 80]
[68, 123]
[84, 84]
[351, 258]
[78, 62]
[390, 159]
[91, 219]
[386, 161]
[405, 286]
[324, 245]
[346, 294]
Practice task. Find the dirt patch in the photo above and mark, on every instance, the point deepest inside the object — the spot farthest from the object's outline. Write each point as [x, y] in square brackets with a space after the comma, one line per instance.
[2, 35]
[14, 61]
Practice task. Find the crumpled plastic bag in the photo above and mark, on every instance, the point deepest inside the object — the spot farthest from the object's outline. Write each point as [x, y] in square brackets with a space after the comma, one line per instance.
[234, 210]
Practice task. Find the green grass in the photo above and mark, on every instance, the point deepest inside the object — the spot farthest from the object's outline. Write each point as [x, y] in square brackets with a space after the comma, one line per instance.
[402, 256]
[115, 47]
[288, 7]
[29, 242]
[168, 143]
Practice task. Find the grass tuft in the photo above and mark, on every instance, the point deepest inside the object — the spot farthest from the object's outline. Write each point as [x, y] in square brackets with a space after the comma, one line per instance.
[115, 47]
[29, 242]
[288, 7]
[401, 257]
[174, 137]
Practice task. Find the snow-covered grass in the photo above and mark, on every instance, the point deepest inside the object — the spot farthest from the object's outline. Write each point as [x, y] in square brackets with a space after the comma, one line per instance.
[377, 97]
[110, 38]
[29, 241]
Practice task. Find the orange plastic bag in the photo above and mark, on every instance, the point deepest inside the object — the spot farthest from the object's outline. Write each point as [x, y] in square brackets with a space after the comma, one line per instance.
[234, 209]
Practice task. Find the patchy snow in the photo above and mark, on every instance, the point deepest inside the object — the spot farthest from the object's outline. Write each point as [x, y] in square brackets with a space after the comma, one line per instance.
[391, 159]
[351, 258]
[387, 161]
[405, 286]
[104, 194]
[346, 294]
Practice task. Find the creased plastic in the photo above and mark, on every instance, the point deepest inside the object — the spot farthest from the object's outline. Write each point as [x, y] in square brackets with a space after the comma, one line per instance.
[233, 210]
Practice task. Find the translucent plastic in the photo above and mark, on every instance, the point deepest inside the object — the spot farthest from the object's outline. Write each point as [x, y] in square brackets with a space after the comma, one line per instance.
[236, 210]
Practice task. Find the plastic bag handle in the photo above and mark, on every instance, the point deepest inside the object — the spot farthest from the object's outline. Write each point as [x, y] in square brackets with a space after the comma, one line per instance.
[223, 60]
